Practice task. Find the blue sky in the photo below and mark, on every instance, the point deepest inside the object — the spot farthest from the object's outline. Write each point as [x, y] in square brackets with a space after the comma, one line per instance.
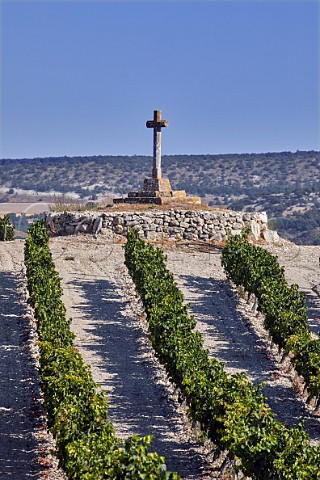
[83, 77]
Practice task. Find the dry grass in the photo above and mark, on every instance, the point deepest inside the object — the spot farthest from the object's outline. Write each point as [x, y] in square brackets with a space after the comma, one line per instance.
[62, 204]
[65, 204]
[136, 207]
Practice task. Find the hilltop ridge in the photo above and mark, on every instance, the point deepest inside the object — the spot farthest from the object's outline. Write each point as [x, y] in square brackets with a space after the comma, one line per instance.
[286, 185]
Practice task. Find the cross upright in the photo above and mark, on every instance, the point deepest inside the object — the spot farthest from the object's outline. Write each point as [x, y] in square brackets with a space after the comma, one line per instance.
[157, 124]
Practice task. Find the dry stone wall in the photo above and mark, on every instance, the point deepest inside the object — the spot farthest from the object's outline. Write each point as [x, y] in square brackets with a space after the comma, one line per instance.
[202, 225]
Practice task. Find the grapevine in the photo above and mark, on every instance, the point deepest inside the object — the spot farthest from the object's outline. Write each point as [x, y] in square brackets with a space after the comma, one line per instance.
[283, 306]
[231, 411]
[6, 229]
[77, 415]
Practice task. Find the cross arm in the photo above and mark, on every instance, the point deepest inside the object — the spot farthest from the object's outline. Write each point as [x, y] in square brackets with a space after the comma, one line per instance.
[152, 123]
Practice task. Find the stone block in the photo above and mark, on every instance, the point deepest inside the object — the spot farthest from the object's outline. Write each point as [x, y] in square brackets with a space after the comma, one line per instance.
[156, 185]
[217, 236]
[132, 223]
[262, 217]
[235, 232]
[270, 236]
[246, 217]
[174, 223]
[188, 236]
[176, 229]
[255, 229]
[184, 225]
[179, 194]
[153, 236]
[237, 225]
[82, 228]
[118, 229]
[97, 225]
[118, 220]
[69, 229]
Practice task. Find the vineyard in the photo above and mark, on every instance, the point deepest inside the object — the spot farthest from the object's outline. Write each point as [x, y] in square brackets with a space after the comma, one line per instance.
[101, 436]
[283, 306]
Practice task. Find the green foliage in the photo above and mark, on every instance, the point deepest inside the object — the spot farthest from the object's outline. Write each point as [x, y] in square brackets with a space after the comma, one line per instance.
[232, 412]
[274, 182]
[77, 415]
[6, 229]
[283, 306]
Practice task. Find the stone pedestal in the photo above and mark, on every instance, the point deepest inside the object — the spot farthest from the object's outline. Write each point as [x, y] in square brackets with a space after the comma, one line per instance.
[158, 191]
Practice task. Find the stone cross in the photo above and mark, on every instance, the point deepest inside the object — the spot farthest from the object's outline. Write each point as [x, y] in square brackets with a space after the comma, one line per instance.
[157, 124]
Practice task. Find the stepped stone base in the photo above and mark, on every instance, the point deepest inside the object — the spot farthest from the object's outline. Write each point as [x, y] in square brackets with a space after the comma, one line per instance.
[158, 191]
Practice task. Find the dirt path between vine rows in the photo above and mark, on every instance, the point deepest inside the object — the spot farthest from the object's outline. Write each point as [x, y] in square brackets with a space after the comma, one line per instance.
[111, 338]
[235, 335]
[24, 441]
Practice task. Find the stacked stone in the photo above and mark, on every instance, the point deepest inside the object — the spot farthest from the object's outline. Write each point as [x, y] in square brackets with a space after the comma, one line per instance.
[174, 224]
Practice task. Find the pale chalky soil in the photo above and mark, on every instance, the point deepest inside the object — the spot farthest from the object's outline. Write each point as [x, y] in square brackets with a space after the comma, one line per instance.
[24, 444]
[112, 340]
[235, 335]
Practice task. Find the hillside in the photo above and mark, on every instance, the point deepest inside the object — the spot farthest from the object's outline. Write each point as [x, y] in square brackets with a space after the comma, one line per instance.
[286, 185]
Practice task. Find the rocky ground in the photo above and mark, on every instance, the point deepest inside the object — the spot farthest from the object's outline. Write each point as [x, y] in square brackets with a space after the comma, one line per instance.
[111, 335]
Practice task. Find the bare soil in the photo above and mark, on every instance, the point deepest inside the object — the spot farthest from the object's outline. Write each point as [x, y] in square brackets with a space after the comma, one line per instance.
[111, 334]
[99, 296]
[25, 446]
[27, 207]
[234, 333]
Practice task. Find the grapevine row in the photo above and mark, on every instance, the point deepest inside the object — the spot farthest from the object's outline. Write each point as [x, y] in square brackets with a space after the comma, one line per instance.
[283, 306]
[77, 415]
[231, 411]
[6, 229]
